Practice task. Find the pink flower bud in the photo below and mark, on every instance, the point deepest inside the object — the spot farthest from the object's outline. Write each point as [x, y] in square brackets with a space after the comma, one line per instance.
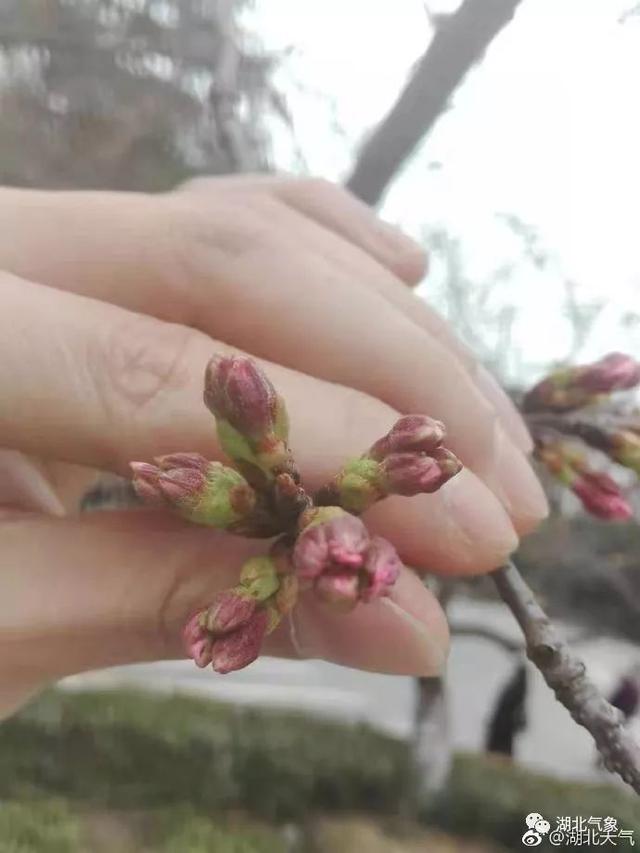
[145, 484]
[197, 640]
[340, 590]
[203, 492]
[415, 473]
[343, 563]
[238, 392]
[613, 372]
[240, 647]
[200, 652]
[182, 485]
[574, 387]
[182, 460]
[194, 630]
[230, 610]
[338, 543]
[417, 433]
[383, 568]
[601, 496]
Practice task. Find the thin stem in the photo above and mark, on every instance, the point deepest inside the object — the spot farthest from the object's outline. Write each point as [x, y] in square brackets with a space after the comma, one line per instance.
[566, 676]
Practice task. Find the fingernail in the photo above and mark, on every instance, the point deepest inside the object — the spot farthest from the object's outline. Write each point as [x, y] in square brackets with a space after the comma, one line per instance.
[509, 415]
[510, 476]
[405, 634]
[23, 486]
[480, 517]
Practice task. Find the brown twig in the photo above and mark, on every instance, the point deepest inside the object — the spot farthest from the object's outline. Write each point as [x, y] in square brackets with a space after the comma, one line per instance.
[566, 676]
[459, 42]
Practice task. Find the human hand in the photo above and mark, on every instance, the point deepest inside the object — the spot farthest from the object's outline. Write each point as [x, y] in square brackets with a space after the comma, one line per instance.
[103, 361]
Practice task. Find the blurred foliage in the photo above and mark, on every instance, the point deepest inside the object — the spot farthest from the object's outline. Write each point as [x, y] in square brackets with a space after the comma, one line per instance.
[38, 826]
[588, 571]
[490, 797]
[183, 774]
[59, 826]
[130, 750]
[127, 94]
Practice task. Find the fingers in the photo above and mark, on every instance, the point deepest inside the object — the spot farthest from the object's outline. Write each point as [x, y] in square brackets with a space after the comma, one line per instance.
[364, 268]
[105, 386]
[115, 588]
[385, 249]
[273, 303]
[335, 209]
[245, 267]
[24, 486]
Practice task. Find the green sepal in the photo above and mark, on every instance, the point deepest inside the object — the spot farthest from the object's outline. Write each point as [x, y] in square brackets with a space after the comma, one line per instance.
[215, 506]
[234, 444]
[259, 578]
[358, 484]
[281, 425]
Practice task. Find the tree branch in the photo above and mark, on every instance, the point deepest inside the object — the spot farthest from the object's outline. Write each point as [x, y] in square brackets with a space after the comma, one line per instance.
[459, 42]
[224, 94]
[566, 676]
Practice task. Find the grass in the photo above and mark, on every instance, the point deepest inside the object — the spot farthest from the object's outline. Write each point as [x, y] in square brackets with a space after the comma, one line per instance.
[129, 771]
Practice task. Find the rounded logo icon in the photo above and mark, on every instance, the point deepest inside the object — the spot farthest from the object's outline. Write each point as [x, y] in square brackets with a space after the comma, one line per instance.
[531, 838]
[538, 827]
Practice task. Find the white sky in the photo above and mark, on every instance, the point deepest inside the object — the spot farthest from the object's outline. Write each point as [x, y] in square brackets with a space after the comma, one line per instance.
[548, 129]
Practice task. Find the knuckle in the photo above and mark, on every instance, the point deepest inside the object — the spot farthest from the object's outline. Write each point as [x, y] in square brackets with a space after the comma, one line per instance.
[320, 187]
[219, 231]
[363, 419]
[137, 362]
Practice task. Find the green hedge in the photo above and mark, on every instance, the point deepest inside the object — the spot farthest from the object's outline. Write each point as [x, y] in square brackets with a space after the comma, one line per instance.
[188, 764]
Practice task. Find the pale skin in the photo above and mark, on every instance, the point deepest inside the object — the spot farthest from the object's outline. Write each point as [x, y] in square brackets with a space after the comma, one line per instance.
[112, 304]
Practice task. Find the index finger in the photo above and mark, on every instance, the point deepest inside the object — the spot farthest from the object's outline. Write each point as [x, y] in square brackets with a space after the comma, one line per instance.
[105, 386]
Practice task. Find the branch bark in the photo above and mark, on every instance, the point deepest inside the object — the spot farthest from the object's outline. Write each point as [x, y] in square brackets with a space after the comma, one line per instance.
[566, 676]
[459, 42]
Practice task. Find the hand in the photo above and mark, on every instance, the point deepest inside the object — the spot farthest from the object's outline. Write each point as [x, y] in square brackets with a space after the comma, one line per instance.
[102, 363]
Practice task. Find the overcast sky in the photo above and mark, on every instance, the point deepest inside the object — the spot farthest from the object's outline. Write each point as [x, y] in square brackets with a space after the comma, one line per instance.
[548, 129]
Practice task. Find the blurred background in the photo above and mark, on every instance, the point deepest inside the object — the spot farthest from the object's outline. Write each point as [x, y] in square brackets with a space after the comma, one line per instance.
[502, 134]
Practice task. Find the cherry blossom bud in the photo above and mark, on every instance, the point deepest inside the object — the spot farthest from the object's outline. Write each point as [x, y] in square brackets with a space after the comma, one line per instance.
[335, 555]
[203, 492]
[613, 372]
[574, 387]
[182, 460]
[382, 566]
[417, 433]
[197, 640]
[599, 493]
[251, 417]
[238, 392]
[239, 648]
[229, 611]
[416, 473]
[601, 496]
[145, 484]
[341, 590]
[409, 460]
[259, 578]
[229, 633]
[338, 543]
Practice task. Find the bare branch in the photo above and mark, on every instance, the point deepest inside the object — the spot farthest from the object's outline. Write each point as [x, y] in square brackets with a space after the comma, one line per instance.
[566, 676]
[224, 94]
[459, 42]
